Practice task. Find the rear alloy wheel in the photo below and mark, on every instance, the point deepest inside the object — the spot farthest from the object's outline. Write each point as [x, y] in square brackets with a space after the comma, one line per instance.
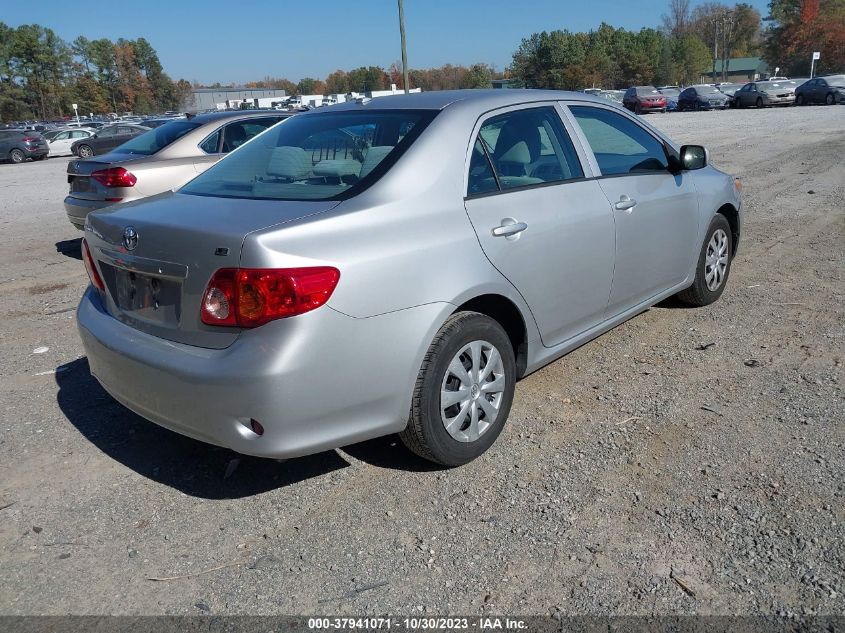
[799, 100]
[714, 265]
[17, 156]
[759, 102]
[85, 151]
[464, 391]
[830, 99]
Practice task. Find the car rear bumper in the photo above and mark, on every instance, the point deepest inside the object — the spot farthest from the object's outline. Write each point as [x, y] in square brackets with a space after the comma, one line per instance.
[314, 382]
[77, 209]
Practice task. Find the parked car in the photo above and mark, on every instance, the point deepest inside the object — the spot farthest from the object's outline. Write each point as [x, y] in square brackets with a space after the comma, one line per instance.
[641, 99]
[828, 90]
[158, 160]
[18, 145]
[761, 94]
[612, 95]
[671, 94]
[60, 144]
[154, 123]
[702, 97]
[106, 139]
[461, 240]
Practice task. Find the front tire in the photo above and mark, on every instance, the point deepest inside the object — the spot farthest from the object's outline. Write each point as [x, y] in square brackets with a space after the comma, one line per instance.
[799, 100]
[713, 266]
[17, 156]
[759, 102]
[464, 391]
[85, 151]
[830, 99]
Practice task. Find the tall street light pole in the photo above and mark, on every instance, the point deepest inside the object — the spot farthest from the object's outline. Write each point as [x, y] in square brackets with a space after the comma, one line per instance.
[404, 51]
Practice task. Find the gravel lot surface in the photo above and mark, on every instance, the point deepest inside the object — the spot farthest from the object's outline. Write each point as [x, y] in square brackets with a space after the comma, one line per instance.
[689, 461]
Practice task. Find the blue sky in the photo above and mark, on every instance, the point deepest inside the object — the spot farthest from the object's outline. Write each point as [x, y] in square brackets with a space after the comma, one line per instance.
[239, 41]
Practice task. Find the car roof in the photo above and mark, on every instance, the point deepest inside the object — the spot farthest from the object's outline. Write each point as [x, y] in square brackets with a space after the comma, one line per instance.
[236, 114]
[485, 99]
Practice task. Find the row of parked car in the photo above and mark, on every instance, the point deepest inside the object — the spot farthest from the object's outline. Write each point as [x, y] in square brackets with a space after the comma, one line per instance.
[829, 90]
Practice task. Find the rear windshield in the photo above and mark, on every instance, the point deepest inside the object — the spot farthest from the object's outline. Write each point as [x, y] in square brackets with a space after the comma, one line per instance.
[321, 156]
[836, 80]
[670, 92]
[157, 139]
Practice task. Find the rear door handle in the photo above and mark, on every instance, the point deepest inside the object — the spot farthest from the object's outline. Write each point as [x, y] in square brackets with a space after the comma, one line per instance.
[625, 204]
[509, 228]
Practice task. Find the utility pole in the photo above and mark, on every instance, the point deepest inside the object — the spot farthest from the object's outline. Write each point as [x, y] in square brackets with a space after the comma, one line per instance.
[715, 45]
[404, 50]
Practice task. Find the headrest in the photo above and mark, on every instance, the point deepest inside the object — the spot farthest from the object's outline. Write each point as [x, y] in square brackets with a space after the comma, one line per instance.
[289, 162]
[518, 153]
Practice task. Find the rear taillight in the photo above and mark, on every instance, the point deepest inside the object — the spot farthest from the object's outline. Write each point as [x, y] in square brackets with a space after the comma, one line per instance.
[115, 177]
[93, 275]
[29, 139]
[249, 297]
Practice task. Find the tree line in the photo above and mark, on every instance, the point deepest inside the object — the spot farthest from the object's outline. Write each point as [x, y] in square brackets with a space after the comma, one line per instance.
[369, 78]
[41, 75]
[691, 42]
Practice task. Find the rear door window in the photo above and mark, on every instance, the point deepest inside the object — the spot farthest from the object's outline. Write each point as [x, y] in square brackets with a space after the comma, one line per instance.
[620, 145]
[525, 147]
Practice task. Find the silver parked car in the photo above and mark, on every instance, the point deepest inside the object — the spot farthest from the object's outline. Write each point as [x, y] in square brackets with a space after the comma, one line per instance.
[766, 93]
[396, 266]
[161, 159]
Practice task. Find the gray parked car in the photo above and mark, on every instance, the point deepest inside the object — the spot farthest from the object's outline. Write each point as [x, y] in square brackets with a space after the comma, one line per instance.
[159, 160]
[18, 145]
[829, 90]
[766, 93]
[396, 266]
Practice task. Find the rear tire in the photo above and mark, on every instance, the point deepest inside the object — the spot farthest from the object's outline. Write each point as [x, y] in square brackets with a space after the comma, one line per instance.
[84, 151]
[470, 355]
[17, 156]
[713, 266]
[759, 102]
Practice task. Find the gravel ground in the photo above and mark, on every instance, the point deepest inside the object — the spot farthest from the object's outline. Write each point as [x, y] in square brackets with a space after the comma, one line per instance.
[689, 461]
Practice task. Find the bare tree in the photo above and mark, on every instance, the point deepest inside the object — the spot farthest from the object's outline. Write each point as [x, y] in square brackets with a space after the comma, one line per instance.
[677, 21]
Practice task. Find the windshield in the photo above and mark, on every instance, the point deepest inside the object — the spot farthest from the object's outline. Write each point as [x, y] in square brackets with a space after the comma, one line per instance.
[835, 80]
[647, 90]
[670, 92]
[707, 90]
[328, 156]
[155, 140]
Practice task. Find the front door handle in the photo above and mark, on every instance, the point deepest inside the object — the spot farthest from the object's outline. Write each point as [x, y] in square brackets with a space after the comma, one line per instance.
[509, 228]
[625, 204]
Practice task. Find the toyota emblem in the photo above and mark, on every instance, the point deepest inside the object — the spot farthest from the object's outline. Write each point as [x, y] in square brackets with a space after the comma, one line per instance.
[130, 238]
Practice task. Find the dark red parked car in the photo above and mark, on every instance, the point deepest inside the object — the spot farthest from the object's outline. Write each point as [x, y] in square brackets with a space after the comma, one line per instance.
[641, 99]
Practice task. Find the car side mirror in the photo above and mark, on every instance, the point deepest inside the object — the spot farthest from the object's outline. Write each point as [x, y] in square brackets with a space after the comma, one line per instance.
[693, 157]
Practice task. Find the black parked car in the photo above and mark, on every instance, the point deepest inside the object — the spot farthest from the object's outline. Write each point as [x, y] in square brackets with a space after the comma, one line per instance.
[107, 139]
[18, 145]
[829, 90]
[702, 98]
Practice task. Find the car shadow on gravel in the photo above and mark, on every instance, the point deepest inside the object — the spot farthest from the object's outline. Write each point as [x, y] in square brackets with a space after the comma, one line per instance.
[70, 248]
[192, 467]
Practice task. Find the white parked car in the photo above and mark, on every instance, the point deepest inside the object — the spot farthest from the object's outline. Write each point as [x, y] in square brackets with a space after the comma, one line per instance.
[61, 142]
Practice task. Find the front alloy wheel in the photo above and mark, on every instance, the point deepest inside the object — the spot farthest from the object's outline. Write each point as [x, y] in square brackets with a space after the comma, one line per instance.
[714, 264]
[716, 260]
[464, 391]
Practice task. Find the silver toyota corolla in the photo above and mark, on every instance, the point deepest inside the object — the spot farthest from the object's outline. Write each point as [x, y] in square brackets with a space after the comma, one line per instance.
[396, 266]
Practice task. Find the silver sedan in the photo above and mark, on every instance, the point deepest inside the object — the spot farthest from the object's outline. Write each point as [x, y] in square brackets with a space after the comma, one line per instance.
[395, 266]
[159, 160]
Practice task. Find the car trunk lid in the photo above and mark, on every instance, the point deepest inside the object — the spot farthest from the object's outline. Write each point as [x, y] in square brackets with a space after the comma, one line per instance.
[79, 172]
[156, 257]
